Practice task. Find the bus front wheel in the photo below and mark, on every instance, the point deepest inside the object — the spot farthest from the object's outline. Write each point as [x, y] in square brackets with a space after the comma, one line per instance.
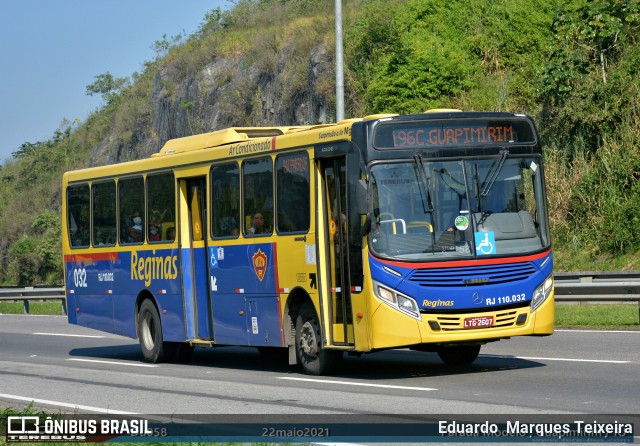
[459, 355]
[150, 335]
[315, 360]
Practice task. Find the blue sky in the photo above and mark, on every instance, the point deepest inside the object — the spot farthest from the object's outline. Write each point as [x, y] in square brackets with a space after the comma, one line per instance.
[50, 50]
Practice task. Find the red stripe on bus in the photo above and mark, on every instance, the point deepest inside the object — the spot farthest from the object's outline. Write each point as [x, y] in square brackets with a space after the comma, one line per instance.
[91, 257]
[273, 143]
[275, 271]
[475, 262]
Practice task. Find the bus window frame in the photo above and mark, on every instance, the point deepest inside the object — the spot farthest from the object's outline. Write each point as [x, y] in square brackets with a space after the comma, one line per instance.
[243, 213]
[86, 184]
[147, 206]
[275, 195]
[212, 204]
[143, 212]
[92, 212]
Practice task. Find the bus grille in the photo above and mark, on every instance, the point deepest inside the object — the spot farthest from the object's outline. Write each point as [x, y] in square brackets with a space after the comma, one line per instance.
[452, 323]
[477, 275]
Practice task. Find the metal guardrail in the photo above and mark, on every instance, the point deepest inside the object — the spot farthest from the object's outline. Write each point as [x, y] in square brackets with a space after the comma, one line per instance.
[34, 293]
[582, 287]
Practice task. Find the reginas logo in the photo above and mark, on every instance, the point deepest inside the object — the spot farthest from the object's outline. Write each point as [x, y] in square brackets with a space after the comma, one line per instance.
[260, 264]
[153, 267]
[437, 303]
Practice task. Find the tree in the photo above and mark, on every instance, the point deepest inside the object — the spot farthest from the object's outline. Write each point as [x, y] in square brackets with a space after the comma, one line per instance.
[588, 34]
[107, 86]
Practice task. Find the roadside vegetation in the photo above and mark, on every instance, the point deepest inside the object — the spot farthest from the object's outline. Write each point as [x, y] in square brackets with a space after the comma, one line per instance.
[572, 65]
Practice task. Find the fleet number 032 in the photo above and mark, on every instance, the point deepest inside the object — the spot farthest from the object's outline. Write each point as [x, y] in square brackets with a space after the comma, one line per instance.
[80, 277]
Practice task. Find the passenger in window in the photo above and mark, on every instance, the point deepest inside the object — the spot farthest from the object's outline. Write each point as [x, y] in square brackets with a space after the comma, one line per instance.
[257, 225]
[154, 232]
[228, 225]
[135, 231]
[171, 233]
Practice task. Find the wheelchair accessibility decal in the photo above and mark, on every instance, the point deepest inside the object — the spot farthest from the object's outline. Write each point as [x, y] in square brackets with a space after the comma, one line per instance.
[485, 243]
[215, 254]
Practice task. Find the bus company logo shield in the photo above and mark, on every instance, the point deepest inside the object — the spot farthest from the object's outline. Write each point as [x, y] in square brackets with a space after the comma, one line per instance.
[260, 264]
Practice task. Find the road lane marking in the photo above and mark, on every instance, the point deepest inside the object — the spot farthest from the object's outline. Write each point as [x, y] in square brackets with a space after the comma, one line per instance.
[69, 335]
[71, 406]
[348, 383]
[533, 358]
[100, 361]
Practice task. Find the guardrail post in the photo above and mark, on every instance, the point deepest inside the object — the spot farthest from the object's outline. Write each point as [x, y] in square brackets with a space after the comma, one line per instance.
[25, 303]
[64, 306]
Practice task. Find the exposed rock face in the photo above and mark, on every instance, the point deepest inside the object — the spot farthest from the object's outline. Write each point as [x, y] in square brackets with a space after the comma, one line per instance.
[226, 92]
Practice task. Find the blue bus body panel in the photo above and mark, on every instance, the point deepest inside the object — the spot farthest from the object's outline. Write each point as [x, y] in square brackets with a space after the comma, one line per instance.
[187, 269]
[203, 317]
[472, 286]
[243, 281]
[102, 289]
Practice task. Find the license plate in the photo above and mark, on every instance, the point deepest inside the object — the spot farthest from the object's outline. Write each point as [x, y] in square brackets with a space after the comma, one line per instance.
[478, 322]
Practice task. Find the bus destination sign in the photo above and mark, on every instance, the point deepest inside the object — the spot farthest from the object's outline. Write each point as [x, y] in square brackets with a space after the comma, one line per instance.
[425, 134]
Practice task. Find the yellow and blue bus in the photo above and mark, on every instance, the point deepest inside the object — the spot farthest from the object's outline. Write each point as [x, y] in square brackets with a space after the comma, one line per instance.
[425, 231]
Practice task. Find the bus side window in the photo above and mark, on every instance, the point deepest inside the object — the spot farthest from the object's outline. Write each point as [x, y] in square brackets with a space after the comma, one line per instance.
[225, 215]
[293, 193]
[104, 213]
[257, 177]
[161, 205]
[78, 199]
[131, 209]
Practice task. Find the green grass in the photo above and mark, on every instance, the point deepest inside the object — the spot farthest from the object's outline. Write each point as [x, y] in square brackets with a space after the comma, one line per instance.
[53, 307]
[610, 316]
[566, 258]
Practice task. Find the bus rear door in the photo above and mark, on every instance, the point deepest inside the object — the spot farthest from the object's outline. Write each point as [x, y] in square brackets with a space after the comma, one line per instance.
[193, 258]
[335, 289]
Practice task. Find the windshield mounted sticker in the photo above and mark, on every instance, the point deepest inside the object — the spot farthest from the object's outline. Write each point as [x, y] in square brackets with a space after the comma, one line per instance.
[485, 243]
[461, 222]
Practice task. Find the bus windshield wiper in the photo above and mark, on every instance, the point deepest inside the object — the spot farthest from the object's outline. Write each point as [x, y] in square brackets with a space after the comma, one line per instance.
[423, 183]
[493, 175]
[425, 193]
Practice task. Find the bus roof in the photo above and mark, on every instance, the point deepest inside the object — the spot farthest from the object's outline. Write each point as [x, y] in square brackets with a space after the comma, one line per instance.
[223, 137]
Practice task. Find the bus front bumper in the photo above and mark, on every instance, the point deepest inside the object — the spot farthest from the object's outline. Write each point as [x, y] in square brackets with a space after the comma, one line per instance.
[391, 328]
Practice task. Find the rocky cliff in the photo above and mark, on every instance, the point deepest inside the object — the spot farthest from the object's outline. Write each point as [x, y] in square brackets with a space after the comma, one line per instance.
[231, 91]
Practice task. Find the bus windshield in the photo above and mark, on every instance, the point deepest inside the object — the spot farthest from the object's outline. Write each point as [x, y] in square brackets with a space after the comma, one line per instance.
[461, 208]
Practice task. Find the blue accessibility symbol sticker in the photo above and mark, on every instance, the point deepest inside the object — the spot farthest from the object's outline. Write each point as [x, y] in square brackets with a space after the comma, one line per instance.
[212, 256]
[485, 243]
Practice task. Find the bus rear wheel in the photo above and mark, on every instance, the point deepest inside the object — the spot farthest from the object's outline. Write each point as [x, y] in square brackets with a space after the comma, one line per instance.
[150, 335]
[315, 360]
[459, 355]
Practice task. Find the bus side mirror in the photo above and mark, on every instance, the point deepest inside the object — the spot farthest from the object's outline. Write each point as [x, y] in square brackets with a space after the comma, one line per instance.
[361, 197]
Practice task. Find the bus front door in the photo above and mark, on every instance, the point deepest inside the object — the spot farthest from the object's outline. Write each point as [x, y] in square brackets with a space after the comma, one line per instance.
[193, 258]
[335, 293]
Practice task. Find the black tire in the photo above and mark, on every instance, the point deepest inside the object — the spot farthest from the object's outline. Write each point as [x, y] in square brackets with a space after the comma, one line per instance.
[459, 355]
[154, 349]
[314, 359]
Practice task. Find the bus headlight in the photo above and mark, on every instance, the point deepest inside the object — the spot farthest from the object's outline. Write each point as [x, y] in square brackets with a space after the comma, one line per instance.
[541, 293]
[397, 300]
